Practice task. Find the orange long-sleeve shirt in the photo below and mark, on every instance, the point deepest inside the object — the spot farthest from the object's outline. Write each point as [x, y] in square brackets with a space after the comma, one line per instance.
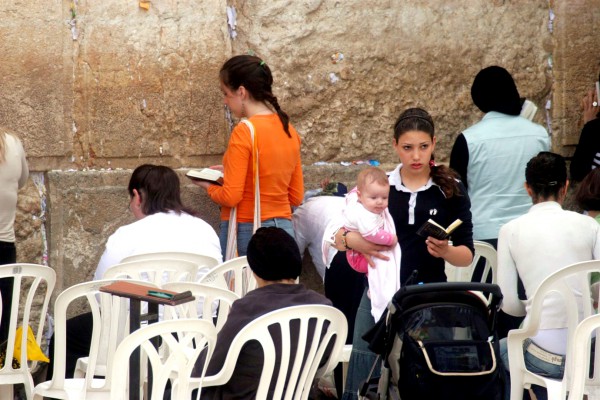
[280, 171]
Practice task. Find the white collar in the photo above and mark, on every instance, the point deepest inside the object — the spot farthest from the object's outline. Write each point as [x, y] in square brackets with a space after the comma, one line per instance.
[396, 180]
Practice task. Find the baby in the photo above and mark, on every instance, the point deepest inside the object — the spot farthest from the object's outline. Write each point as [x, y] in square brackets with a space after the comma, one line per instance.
[366, 212]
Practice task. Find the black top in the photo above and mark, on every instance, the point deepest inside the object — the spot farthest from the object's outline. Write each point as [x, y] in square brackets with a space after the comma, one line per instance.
[430, 204]
[587, 153]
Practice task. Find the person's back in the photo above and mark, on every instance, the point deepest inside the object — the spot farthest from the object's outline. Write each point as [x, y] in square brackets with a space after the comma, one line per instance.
[276, 262]
[535, 245]
[163, 231]
[499, 147]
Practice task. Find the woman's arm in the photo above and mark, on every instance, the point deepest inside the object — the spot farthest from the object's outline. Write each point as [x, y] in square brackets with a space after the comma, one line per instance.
[296, 188]
[459, 256]
[235, 169]
[347, 240]
[459, 158]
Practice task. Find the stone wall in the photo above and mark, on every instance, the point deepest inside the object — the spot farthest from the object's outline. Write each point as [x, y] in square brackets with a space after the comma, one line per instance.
[95, 88]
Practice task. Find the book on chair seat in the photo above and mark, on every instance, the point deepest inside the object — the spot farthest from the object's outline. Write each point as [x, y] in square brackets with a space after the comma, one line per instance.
[206, 174]
[433, 229]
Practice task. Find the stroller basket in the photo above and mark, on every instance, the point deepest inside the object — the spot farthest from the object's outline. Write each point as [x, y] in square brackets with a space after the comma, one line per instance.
[440, 341]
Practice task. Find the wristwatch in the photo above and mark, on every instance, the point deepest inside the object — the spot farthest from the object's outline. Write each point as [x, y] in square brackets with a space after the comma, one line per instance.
[344, 243]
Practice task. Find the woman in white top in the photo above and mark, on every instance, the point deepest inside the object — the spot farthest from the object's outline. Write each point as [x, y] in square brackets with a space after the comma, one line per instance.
[537, 244]
[162, 224]
[13, 176]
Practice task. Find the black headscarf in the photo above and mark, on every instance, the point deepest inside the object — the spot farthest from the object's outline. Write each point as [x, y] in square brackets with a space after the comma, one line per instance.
[494, 90]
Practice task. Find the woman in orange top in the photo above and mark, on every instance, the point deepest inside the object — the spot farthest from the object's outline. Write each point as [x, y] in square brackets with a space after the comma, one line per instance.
[246, 85]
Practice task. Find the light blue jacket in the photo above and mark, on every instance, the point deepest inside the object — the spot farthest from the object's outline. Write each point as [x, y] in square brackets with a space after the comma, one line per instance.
[500, 146]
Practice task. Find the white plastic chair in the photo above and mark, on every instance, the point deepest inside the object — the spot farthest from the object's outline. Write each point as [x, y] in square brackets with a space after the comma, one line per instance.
[211, 302]
[580, 383]
[205, 262]
[329, 325]
[465, 274]
[577, 306]
[157, 271]
[110, 326]
[185, 340]
[32, 283]
[234, 275]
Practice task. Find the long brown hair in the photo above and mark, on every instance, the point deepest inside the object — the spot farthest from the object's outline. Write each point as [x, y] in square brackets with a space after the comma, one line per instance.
[255, 75]
[417, 119]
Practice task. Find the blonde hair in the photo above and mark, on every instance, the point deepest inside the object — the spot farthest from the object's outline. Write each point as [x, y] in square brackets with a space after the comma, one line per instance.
[370, 175]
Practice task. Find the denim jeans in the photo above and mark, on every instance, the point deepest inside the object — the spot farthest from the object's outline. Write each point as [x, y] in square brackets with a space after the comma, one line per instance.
[244, 233]
[535, 365]
[361, 358]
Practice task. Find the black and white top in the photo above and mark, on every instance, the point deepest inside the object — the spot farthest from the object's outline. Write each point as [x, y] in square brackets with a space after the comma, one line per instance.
[410, 209]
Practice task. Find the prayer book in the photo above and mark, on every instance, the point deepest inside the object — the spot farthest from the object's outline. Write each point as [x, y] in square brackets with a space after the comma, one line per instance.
[206, 174]
[433, 229]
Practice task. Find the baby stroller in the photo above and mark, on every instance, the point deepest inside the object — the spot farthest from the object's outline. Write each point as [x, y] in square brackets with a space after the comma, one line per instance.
[438, 341]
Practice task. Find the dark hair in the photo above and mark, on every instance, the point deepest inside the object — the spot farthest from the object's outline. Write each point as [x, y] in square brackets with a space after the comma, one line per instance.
[494, 90]
[158, 187]
[273, 254]
[588, 192]
[255, 75]
[546, 175]
[417, 119]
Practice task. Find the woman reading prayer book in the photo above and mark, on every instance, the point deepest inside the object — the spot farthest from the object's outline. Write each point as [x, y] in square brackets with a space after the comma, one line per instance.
[419, 190]
[246, 85]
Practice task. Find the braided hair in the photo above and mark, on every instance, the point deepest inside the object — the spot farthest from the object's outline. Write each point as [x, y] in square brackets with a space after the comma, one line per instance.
[417, 119]
[255, 75]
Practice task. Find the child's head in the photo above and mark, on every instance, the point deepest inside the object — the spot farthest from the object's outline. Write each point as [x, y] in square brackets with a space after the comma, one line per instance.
[588, 192]
[255, 76]
[373, 189]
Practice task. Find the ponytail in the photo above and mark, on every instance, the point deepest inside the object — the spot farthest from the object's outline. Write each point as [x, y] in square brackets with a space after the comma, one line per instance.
[446, 179]
[285, 119]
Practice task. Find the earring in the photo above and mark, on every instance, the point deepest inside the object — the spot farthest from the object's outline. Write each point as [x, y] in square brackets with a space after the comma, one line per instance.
[431, 163]
[243, 110]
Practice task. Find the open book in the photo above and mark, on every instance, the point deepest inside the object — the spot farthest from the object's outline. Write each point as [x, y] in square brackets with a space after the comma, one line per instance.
[206, 174]
[433, 229]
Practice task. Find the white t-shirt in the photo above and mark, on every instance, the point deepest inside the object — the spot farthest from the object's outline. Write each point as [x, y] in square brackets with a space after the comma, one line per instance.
[13, 176]
[160, 232]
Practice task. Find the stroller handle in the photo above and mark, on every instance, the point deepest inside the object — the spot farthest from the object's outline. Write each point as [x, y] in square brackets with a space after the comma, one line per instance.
[490, 288]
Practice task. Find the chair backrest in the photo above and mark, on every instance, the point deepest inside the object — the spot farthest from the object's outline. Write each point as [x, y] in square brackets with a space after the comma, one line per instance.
[212, 303]
[32, 288]
[234, 275]
[205, 262]
[580, 382]
[317, 325]
[483, 251]
[577, 306]
[185, 340]
[110, 326]
[156, 271]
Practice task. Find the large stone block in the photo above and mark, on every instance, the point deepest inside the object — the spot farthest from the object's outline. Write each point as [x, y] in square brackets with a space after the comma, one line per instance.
[395, 55]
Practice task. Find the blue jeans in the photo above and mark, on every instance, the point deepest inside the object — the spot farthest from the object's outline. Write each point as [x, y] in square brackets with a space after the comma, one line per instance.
[244, 233]
[533, 364]
[361, 358]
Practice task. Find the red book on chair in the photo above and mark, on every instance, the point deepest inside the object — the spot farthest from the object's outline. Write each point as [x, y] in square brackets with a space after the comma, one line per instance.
[141, 292]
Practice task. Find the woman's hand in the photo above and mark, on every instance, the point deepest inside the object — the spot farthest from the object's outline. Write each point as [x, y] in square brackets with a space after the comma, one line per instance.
[590, 111]
[356, 242]
[202, 184]
[459, 256]
[437, 248]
